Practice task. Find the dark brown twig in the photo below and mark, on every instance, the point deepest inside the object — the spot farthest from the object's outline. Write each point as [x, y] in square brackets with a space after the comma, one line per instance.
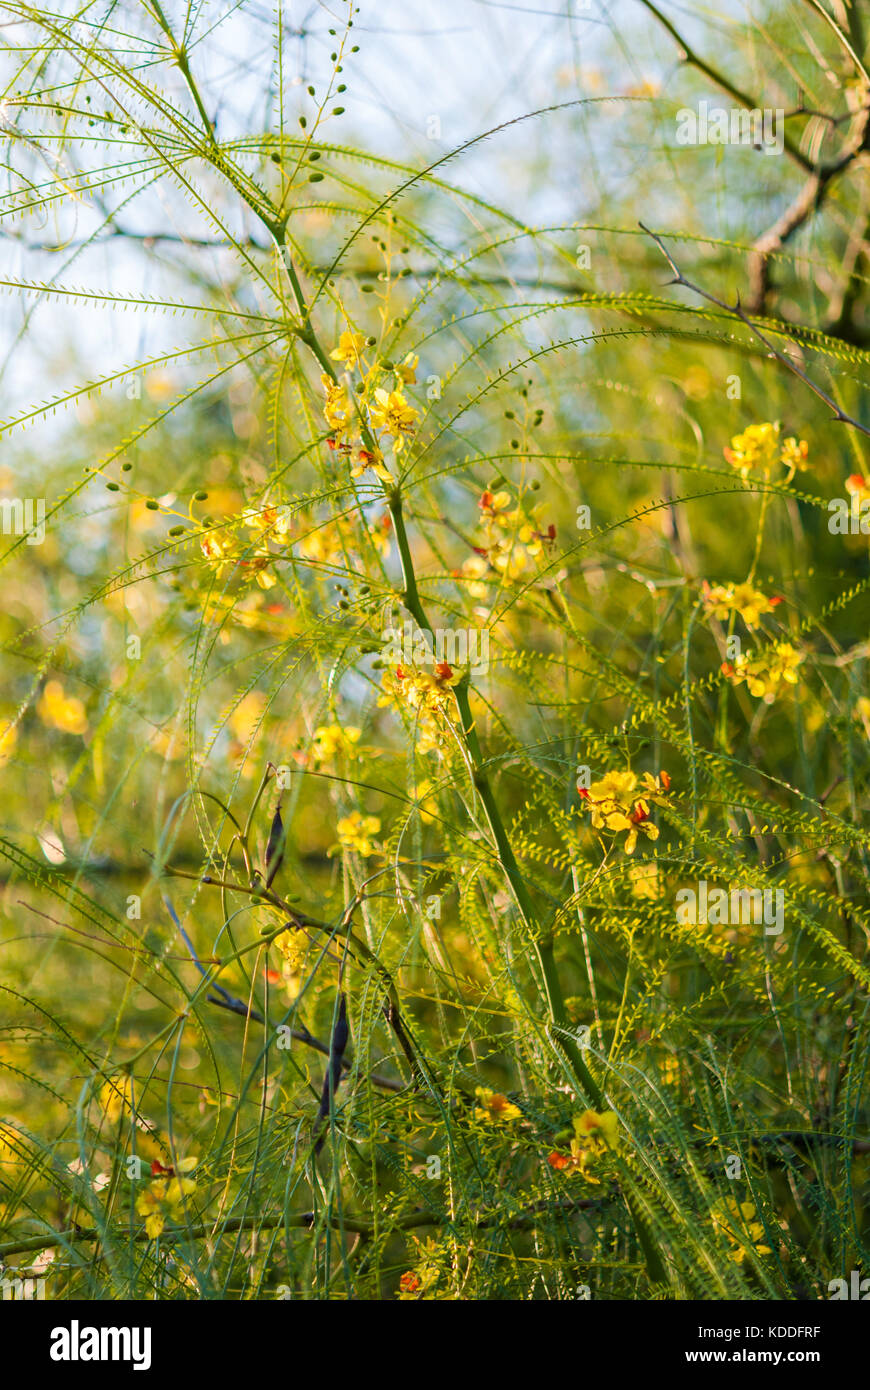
[738, 312]
[804, 206]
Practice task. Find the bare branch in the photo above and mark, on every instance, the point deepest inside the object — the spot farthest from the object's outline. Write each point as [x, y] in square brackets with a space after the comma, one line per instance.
[739, 313]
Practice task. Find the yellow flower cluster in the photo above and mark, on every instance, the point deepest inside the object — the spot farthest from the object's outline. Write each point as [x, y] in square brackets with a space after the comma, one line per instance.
[294, 946]
[116, 1098]
[226, 548]
[331, 739]
[594, 1134]
[494, 1108]
[61, 711]
[511, 541]
[426, 696]
[374, 408]
[720, 600]
[391, 413]
[764, 672]
[736, 1220]
[355, 833]
[337, 409]
[620, 801]
[760, 448]
[163, 1199]
[416, 1283]
[349, 350]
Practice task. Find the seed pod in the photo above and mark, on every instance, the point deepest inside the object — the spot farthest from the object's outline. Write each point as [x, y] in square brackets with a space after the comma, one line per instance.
[337, 1049]
[275, 848]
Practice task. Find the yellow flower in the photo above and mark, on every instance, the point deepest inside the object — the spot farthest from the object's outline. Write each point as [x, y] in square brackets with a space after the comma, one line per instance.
[61, 711]
[722, 599]
[592, 1128]
[794, 453]
[355, 832]
[337, 409]
[425, 694]
[407, 371]
[330, 739]
[165, 1194]
[365, 459]
[273, 522]
[350, 346]
[759, 446]
[219, 549]
[594, 1134]
[257, 565]
[764, 672]
[396, 689]
[520, 541]
[224, 549]
[756, 447]
[391, 413]
[736, 1220]
[532, 540]
[473, 570]
[116, 1098]
[293, 946]
[494, 507]
[495, 1108]
[619, 802]
[508, 557]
